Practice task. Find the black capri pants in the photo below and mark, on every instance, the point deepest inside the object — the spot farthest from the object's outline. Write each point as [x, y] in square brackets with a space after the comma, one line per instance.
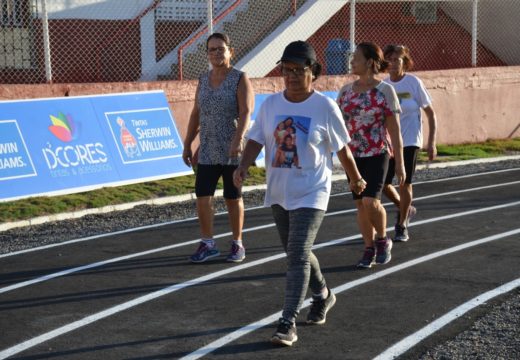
[410, 154]
[207, 178]
[373, 169]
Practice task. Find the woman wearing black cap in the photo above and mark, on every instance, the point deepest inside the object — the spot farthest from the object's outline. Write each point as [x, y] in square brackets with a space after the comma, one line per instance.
[299, 195]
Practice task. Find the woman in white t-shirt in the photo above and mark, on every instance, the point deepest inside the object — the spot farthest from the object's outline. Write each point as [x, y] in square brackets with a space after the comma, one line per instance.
[413, 97]
[299, 183]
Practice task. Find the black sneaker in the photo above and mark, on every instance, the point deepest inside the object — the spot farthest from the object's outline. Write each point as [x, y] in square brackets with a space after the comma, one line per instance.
[401, 233]
[285, 333]
[319, 308]
[368, 259]
[383, 253]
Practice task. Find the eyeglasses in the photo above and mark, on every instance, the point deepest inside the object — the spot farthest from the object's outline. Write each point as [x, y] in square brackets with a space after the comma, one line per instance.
[220, 49]
[294, 71]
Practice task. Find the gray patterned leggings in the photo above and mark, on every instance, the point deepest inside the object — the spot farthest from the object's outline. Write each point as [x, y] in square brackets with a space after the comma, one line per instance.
[298, 229]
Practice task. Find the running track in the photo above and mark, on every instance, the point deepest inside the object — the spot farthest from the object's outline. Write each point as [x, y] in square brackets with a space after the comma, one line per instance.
[133, 295]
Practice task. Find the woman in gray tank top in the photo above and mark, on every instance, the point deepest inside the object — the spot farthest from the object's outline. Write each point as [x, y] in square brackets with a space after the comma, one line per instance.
[223, 105]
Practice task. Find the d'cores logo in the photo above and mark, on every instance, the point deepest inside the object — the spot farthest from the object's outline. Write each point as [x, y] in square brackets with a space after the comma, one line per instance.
[69, 156]
[63, 127]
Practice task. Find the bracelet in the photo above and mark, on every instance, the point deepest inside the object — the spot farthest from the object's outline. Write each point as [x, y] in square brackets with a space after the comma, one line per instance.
[359, 182]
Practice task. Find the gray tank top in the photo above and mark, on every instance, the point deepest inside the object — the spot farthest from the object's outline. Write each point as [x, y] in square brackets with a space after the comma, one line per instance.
[218, 117]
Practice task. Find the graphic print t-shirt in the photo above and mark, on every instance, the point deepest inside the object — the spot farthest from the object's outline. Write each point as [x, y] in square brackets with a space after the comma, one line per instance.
[412, 96]
[299, 139]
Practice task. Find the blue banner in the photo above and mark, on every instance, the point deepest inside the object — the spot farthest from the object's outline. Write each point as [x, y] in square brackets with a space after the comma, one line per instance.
[72, 144]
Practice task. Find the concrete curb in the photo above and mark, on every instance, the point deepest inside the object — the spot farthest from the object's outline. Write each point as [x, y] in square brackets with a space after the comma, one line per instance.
[218, 193]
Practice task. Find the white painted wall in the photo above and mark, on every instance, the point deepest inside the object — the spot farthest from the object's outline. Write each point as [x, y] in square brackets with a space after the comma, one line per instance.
[94, 9]
[189, 10]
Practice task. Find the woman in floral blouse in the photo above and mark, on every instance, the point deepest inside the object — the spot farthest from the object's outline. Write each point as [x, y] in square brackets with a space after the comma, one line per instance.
[371, 110]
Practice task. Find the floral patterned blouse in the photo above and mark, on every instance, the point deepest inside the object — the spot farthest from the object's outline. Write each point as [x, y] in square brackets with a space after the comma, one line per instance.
[364, 114]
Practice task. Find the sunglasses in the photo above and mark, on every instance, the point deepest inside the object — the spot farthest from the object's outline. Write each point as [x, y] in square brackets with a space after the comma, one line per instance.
[295, 71]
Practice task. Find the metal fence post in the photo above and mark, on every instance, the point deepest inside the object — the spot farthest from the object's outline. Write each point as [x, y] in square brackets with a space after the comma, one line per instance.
[474, 33]
[352, 31]
[46, 43]
[210, 17]
[210, 22]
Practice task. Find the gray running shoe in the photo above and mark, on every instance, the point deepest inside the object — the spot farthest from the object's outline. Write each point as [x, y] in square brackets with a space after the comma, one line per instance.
[383, 250]
[204, 253]
[237, 253]
[401, 233]
[319, 308]
[285, 333]
[368, 259]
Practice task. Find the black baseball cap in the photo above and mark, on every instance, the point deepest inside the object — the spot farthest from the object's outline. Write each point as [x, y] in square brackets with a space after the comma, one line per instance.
[299, 52]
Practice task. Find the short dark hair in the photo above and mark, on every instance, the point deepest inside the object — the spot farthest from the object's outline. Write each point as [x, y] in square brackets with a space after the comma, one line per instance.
[316, 70]
[372, 51]
[220, 36]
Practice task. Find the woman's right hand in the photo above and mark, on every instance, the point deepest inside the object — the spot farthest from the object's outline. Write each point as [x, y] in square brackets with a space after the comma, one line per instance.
[187, 156]
[358, 186]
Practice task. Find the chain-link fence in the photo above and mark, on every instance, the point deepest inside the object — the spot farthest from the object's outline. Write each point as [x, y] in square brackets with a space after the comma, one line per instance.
[105, 41]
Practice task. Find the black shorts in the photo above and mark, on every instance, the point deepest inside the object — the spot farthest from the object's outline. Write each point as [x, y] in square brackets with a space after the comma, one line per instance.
[207, 178]
[410, 154]
[373, 169]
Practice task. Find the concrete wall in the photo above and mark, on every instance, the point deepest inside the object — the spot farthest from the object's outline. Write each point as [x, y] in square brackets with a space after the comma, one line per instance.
[471, 104]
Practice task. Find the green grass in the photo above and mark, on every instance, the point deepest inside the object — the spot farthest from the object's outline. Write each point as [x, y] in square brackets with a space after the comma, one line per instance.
[38, 206]
[490, 148]
[43, 205]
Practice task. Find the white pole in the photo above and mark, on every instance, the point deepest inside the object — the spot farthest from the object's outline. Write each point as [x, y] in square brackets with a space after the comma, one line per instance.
[46, 43]
[352, 30]
[147, 27]
[210, 22]
[210, 17]
[474, 34]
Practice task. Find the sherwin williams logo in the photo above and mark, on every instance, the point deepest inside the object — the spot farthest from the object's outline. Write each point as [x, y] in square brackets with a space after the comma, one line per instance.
[63, 127]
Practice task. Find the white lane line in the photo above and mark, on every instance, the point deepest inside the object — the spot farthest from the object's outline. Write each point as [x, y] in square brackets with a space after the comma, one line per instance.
[94, 237]
[215, 345]
[190, 242]
[447, 179]
[114, 260]
[410, 341]
[126, 231]
[140, 300]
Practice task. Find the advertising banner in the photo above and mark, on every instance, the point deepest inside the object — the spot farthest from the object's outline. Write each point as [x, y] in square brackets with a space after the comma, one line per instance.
[65, 145]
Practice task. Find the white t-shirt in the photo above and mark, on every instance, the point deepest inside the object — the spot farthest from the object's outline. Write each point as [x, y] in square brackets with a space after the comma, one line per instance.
[412, 97]
[299, 140]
